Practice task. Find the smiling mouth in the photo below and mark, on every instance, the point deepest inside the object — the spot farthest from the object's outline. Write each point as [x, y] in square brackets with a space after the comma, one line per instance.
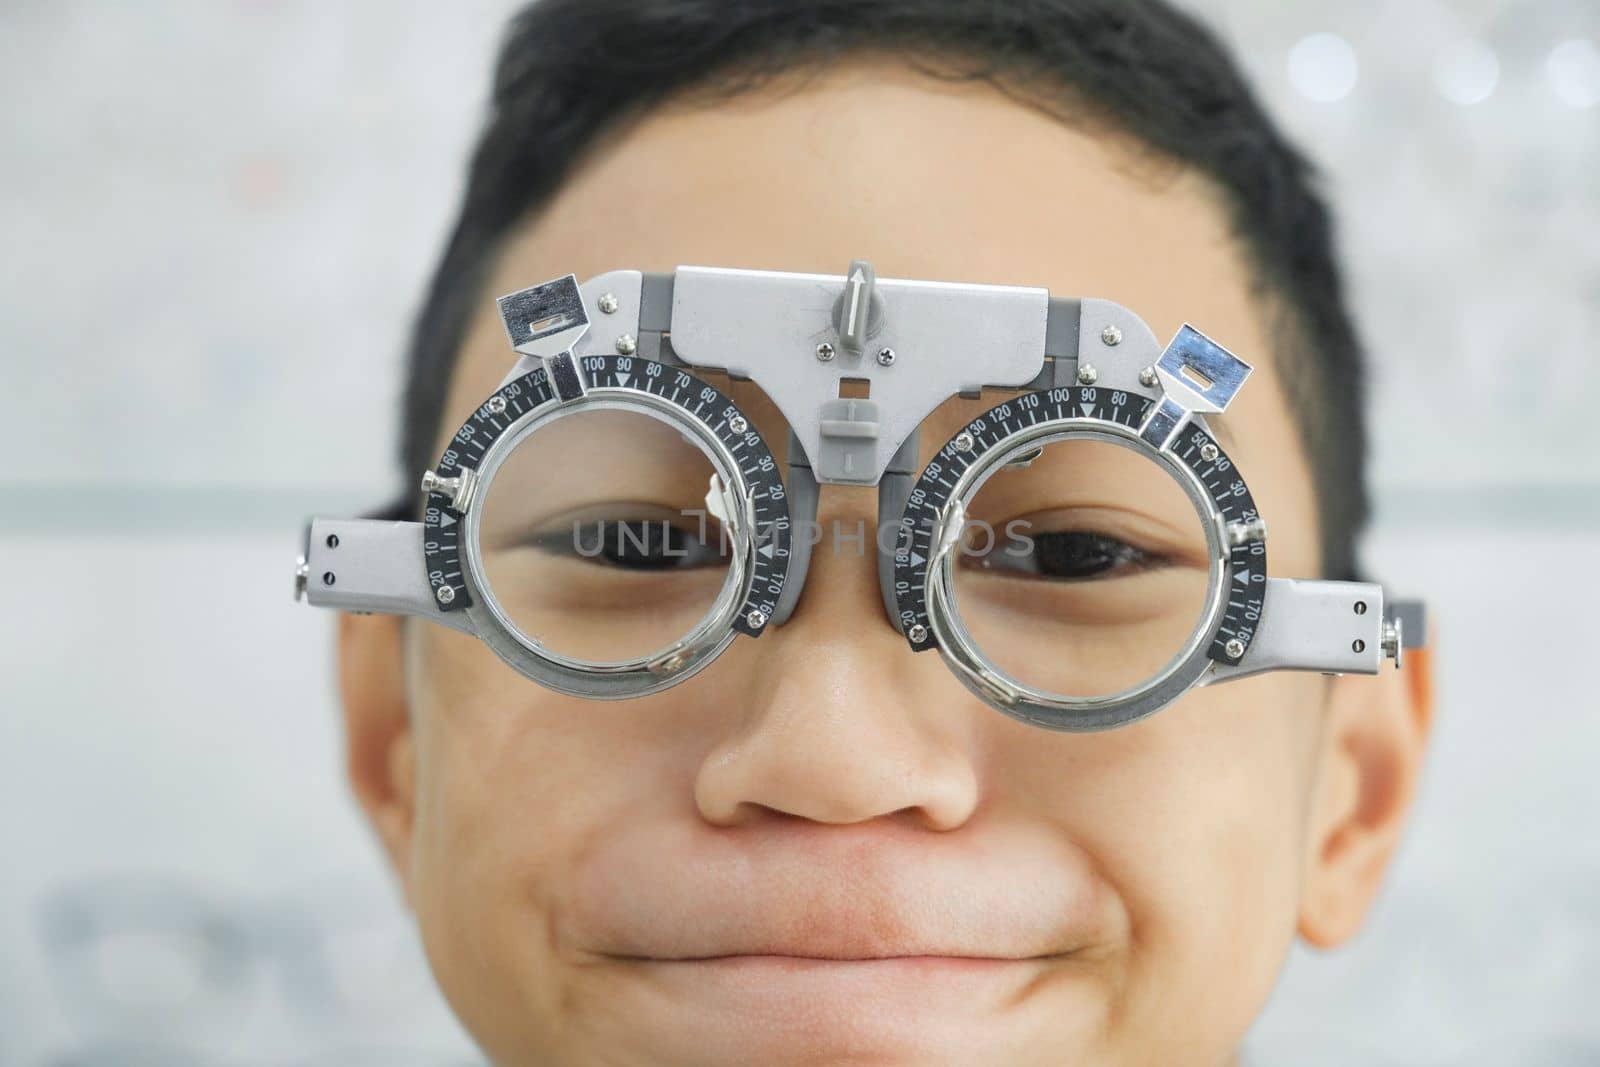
[914, 957]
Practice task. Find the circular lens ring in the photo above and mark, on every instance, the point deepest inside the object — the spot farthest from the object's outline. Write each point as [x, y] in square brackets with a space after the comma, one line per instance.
[923, 582]
[707, 417]
[967, 657]
[713, 626]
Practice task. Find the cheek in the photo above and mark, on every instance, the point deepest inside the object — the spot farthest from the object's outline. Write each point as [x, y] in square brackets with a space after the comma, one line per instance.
[1197, 818]
[512, 782]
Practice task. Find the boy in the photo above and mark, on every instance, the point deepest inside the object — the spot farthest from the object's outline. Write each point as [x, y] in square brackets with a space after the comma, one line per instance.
[822, 849]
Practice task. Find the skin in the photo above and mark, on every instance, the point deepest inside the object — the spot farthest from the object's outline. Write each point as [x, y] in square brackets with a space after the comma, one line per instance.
[823, 792]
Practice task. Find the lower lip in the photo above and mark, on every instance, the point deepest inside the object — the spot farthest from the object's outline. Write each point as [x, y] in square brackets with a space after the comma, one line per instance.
[789, 1009]
[945, 982]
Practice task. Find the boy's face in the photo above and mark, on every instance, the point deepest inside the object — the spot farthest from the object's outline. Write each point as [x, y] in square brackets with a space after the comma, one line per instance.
[885, 869]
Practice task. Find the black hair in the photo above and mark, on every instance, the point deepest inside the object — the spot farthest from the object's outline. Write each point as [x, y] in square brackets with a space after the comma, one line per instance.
[570, 70]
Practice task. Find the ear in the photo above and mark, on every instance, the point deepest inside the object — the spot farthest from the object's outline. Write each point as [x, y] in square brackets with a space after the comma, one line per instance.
[379, 756]
[1373, 737]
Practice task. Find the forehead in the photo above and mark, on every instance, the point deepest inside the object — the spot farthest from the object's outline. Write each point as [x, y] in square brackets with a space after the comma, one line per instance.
[927, 179]
[931, 179]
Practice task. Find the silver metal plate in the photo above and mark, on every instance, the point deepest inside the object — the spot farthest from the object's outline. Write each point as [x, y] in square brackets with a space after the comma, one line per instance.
[947, 338]
[1313, 625]
[367, 565]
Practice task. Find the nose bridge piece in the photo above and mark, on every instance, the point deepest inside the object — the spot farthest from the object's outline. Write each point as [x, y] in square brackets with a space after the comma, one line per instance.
[847, 426]
[889, 538]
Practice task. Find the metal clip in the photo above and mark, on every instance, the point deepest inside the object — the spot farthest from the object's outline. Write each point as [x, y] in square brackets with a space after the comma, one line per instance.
[1198, 377]
[546, 321]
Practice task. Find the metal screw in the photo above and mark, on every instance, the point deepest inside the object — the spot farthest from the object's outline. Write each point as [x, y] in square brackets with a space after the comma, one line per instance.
[824, 351]
[756, 619]
[1358, 645]
[461, 488]
[1390, 641]
[1087, 375]
[1234, 648]
[963, 442]
[737, 424]
[444, 594]
[327, 577]
[1111, 336]
[1147, 377]
[885, 357]
[608, 302]
[626, 344]
[1239, 533]
[497, 405]
[1208, 452]
[918, 633]
[1361, 607]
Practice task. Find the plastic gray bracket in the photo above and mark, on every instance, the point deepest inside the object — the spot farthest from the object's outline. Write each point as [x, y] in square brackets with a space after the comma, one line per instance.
[655, 317]
[803, 490]
[1061, 343]
[847, 437]
[1413, 618]
[893, 492]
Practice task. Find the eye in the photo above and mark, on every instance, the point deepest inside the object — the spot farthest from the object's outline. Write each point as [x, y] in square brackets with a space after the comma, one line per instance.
[1059, 555]
[637, 544]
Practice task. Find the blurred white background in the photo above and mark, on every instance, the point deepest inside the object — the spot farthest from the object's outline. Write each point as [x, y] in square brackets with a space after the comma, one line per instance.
[218, 217]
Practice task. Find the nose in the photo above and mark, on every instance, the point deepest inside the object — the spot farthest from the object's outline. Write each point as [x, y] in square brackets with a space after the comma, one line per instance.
[842, 722]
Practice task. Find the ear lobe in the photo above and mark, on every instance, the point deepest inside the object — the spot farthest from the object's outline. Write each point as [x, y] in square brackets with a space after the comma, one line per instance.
[380, 760]
[1374, 734]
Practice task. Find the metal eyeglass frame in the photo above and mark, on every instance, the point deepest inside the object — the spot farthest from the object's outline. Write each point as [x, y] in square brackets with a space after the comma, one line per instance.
[629, 340]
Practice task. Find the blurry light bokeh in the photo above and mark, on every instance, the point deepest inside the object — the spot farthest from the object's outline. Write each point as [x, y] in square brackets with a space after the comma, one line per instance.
[1467, 72]
[1574, 71]
[1323, 67]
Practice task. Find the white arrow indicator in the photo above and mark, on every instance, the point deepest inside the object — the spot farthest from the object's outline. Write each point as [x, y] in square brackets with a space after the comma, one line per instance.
[766, 550]
[1085, 408]
[446, 519]
[1242, 577]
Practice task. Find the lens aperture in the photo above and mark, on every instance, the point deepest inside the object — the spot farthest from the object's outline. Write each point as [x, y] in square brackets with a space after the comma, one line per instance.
[1082, 569]
[597, 538]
